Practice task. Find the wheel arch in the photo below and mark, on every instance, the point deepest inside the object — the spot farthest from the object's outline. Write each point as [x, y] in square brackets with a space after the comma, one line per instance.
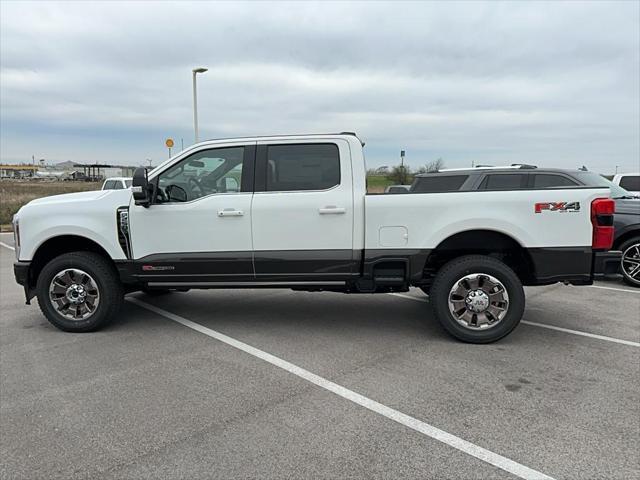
[58, 245]
[627, 235]
[487, 242]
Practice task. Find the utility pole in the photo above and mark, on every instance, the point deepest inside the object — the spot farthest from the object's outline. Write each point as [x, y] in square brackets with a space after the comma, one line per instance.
[403, 177]
[195, 71]
[617, 168]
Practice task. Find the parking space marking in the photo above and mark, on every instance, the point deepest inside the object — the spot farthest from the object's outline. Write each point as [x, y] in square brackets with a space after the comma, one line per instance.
[616, 289]
[582, 334]
[550, 327]
[458, 443]
[7, 246]
[408, 297]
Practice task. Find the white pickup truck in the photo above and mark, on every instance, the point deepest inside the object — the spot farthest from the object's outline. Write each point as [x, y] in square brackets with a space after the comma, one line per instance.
[293, 212]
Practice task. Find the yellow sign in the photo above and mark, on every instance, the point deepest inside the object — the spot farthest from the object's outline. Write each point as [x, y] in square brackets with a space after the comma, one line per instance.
[169, 143]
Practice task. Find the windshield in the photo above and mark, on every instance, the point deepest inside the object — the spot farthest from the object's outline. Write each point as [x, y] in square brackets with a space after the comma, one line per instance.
[591, 179]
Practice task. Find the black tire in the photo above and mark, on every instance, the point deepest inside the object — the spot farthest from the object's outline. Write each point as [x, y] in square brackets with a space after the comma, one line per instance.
[630, 249]
[105, 277]
[460, 267]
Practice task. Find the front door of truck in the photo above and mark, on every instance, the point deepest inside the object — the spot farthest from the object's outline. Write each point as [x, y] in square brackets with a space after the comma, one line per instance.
[302, 213]
[198, 227]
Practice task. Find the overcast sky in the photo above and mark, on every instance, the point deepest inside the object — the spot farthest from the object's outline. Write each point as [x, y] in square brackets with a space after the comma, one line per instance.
[552, 83]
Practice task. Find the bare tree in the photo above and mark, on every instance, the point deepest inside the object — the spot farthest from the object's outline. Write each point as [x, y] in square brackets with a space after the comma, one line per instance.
[434, 166]
[400, 175]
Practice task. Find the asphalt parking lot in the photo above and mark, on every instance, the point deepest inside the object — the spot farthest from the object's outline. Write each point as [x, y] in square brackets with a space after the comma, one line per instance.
[274, 383]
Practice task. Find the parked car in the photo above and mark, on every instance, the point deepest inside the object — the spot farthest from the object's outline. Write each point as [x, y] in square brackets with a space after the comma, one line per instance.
[397, 189]
[629, 181]
[302, 220]
[117, 183]
[526, 177]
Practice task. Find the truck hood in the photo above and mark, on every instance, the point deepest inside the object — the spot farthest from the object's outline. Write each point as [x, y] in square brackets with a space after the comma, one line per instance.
[98, 200]
[70, 197]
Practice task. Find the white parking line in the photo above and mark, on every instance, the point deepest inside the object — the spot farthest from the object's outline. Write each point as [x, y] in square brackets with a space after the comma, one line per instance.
[550, 327]
[408, 297]
[582, 334]
[7, 246]
[458, 443]
[616, 289]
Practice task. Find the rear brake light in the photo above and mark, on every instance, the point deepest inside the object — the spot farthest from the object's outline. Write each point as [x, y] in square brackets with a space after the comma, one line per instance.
[602, 210]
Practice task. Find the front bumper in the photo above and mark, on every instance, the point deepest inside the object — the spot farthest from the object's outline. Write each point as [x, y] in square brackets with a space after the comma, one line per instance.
[606, 263]
[21, 272]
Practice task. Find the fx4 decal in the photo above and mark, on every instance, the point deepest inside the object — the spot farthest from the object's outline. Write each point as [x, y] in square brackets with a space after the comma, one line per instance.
[561, 207]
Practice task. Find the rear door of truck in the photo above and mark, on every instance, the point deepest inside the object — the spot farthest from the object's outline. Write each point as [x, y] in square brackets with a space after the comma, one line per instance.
[302, 210]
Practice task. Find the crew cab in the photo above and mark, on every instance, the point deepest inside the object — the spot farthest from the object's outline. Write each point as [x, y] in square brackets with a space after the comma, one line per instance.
[293, 212]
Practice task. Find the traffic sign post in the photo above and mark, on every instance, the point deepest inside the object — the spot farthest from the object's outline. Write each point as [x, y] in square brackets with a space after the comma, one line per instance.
[169, 144]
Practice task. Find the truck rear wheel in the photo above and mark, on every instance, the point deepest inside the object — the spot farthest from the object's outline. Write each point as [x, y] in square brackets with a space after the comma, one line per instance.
[630, 262]
[477, 299]
[79, 292]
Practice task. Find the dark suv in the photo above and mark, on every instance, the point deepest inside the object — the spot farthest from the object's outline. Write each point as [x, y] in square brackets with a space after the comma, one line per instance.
[529, 177]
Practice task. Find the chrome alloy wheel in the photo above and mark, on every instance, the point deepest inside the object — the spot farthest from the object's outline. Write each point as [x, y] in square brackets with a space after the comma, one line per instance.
[478, 301]
[74, 294]
[631, 262]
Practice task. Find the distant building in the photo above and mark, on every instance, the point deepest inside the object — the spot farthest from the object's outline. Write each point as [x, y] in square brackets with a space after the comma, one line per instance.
[17, 170]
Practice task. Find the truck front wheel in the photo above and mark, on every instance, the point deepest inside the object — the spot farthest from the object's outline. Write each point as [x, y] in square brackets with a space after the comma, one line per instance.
[79, 291]
[477, 299]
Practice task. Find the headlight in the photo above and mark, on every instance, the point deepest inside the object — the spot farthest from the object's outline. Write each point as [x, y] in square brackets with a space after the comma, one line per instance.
[16, 236]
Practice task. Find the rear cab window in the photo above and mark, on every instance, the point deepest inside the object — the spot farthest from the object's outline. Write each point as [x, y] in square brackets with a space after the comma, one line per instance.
[504, 181]
[551, 180]
[302, 167]
[630, 183]
[438, 183]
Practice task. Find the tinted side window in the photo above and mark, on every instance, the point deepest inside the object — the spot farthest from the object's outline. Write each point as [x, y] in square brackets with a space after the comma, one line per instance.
[631, 183]
[437, 183]
[109, 185]
[506, 181]
[302, 167]
[547, 180]
[117, 185]
[204, 173]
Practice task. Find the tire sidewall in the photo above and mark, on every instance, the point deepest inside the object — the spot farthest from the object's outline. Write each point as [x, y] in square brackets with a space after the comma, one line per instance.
[454, 271]
[624, 247]
[55, 266]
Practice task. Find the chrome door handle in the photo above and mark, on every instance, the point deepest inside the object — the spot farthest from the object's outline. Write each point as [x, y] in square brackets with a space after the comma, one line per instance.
[230, 212]
[332, 210]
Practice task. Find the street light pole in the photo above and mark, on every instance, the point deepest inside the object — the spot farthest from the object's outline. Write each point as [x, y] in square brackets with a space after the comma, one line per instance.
[194, 72]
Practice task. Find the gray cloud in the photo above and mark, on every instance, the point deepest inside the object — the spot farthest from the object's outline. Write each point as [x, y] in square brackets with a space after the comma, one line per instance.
[552, 83]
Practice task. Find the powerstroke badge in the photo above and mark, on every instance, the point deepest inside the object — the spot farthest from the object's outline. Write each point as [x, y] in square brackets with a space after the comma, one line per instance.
[561, 207]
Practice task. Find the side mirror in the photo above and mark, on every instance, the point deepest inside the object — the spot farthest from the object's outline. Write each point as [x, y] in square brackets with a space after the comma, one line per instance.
[140, 187]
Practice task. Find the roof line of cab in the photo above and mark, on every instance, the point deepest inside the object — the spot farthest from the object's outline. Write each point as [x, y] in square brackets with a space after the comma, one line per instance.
[275, 137]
